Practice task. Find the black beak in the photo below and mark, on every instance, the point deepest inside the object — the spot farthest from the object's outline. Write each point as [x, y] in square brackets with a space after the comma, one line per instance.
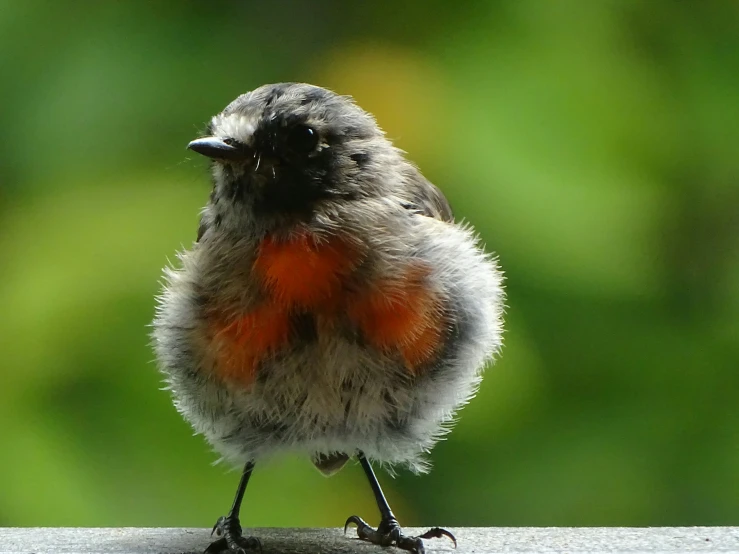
[216, 148]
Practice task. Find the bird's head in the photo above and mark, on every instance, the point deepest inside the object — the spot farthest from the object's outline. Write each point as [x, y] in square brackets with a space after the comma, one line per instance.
[287, 149]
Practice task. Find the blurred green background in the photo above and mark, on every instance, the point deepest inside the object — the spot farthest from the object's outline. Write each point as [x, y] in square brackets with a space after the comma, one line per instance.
[594, 144]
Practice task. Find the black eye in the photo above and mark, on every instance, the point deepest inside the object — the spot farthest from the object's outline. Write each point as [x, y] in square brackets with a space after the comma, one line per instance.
[302, 139]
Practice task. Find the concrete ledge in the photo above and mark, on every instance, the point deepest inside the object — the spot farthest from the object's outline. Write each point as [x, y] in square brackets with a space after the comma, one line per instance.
[479, 540]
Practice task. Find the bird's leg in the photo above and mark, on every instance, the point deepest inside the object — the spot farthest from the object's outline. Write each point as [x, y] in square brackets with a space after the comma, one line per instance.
[228, 528]
[389, 533]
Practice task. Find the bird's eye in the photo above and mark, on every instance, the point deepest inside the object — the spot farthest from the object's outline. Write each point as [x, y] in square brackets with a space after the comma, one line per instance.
[302, 139]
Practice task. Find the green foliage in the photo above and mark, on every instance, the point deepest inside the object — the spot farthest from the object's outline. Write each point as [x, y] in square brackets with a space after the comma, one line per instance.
[594, 144]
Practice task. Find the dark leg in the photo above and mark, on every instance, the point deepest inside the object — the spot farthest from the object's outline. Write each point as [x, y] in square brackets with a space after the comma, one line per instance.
[228, 528]
[389, 533]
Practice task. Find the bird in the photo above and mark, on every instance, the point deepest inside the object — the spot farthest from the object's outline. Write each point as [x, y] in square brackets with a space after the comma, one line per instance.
[330, 305]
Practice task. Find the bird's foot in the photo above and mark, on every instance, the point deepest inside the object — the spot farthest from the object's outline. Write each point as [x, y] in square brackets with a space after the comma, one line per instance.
[389, 533]
[231, 540]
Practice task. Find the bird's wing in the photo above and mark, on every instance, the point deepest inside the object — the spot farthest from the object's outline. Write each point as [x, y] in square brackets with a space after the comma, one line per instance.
[425, 198]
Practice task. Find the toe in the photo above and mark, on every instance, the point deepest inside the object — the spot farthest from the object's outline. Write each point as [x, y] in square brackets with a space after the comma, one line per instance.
[411, 544]
[437, 533]
[216, 547]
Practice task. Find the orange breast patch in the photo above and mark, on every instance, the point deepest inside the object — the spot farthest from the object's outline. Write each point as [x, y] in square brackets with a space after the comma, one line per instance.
[304, 272]
[403, 315]
[243, 343]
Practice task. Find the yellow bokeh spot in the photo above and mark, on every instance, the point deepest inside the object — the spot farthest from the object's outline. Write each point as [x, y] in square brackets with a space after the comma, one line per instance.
[404, 90]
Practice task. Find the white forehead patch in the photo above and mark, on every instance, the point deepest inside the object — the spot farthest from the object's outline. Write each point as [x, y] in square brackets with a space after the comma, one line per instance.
[236, 126]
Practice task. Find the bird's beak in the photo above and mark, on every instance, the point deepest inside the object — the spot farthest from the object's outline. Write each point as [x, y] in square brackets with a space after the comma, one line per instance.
[213, 147]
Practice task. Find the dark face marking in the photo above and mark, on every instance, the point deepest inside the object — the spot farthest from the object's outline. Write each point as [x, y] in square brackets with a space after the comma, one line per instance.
[301, 173]
[296, 188]
[299, 153]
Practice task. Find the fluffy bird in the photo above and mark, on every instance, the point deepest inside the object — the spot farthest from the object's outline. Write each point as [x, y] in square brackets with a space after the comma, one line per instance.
[330, 304]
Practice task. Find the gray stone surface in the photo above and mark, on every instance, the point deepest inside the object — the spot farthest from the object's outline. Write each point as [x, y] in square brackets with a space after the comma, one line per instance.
[332, 541]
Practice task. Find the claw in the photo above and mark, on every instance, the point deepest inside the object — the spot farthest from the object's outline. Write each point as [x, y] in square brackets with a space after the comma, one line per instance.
[389, 533]
[218, 526]
[356, 520]
[437, 533]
